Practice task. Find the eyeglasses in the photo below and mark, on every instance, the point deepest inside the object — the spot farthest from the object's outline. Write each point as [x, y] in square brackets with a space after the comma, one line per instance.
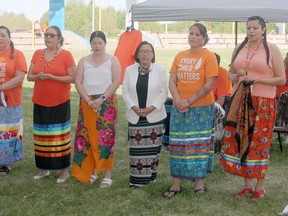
[50, 35]
[145, 52]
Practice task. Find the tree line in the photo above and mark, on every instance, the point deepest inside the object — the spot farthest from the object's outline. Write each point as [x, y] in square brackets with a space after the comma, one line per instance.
[78, 18]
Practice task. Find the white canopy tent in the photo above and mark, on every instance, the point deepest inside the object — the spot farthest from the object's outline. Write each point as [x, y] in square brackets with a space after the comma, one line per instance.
[210, 10]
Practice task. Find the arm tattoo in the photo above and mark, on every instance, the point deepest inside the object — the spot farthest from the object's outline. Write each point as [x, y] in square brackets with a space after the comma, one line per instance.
[202, 92]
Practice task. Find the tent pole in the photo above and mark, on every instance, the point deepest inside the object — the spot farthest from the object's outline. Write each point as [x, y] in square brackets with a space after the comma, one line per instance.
[236, 33]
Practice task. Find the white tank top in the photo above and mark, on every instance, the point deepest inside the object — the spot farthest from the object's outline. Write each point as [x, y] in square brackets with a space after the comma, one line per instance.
[97, 79]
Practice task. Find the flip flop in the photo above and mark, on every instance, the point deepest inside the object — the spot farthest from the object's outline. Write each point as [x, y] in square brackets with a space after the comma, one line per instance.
[93, 178]
[170, 193]
[200, 190]
[106, 182]
[4, 170]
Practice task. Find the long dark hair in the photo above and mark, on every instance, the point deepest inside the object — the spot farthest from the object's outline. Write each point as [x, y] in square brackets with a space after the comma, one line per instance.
[98, 34]
[11, 42]
[263, 25]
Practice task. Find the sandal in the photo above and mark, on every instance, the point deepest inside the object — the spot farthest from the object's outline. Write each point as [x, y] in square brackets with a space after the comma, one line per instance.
[4, 170]
[41, 175]
[62, 180]
[244, 192]
[106, 182]
[93, 178]
[200, 190]
[170, 193]
[258, 194]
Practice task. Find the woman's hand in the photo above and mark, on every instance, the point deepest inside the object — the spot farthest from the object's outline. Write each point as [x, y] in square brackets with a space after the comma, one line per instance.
[137, 110]
[182, 105]
[45, 76]
[147, 110]
[42, 76]
[233, 77]
[95, 104]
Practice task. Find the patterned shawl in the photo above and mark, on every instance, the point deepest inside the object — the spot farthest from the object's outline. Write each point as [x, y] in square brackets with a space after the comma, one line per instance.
[240, 115]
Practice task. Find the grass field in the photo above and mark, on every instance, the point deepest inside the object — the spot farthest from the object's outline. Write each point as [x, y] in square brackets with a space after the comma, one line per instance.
[21, 195]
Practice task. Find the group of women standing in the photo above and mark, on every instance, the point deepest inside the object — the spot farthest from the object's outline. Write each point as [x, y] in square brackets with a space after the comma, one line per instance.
[194, 72]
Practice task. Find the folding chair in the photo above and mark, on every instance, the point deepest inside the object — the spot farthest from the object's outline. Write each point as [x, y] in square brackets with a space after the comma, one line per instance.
[281, 125]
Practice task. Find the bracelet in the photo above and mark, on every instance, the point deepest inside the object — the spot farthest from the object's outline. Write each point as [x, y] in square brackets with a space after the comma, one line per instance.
[88, 100]
[188, 100]
[103, 97]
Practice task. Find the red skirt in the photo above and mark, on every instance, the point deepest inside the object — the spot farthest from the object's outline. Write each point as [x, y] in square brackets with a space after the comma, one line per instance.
[257, 161]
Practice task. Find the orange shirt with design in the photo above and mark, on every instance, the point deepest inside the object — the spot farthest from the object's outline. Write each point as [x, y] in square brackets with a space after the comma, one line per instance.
[51, 92]
[8, 68]
[192, 69]
[220, 89]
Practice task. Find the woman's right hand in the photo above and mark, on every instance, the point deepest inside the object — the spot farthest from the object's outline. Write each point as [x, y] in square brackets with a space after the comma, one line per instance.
[233, 77]
[182, 105]
[42, 76]
[94, 105]
[137, 110]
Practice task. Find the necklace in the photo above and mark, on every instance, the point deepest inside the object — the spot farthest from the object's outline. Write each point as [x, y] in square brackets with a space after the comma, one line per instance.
[143, 71]
[249, 58]
[41, 61]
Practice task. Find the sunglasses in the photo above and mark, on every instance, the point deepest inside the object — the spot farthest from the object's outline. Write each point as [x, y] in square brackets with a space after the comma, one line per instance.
[50, 35]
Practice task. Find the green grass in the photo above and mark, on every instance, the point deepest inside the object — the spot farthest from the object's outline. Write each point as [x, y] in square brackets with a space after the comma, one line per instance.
[21, 195]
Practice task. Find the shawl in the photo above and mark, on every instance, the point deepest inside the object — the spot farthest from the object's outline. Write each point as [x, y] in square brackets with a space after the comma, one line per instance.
[240, 115]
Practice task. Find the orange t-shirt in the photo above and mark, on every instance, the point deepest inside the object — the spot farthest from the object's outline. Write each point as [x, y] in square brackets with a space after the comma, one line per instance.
[220, 89]
[8, 68]
[224, 73]
[50, 92]
[127, 45]
[192, 69]
[283, 88]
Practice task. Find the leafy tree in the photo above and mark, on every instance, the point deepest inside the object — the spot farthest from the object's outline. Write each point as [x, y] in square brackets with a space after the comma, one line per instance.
[15, 22]
[154, 27]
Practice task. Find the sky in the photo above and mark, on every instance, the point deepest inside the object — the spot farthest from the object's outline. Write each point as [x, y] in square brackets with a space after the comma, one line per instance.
[41, 6]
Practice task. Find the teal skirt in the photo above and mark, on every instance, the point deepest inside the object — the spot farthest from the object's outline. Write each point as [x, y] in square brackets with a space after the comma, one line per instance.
[192, 142]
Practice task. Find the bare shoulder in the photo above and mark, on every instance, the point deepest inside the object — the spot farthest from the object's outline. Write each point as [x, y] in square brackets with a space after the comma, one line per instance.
[81, 61]
[114, 59]
[273, 47]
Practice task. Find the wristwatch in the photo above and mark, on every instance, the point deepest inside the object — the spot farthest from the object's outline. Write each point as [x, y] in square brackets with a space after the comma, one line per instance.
[103, 97]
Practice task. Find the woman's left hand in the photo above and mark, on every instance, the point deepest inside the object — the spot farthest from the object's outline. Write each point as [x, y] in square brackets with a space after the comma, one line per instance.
[249, 79]
[94, 104]
[147, 110]
[182, 105]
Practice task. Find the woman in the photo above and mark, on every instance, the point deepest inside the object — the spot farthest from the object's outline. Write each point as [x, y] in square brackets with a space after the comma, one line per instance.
[192, 134]
[248, 155]
[13, 68]
[52, 69]
[97, 79]
[144, 92]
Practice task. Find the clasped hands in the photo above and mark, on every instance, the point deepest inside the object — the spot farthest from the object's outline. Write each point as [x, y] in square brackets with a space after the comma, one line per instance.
[45, 76]
[235, 78]
[143, 112]
[182, 105]
[95, 104]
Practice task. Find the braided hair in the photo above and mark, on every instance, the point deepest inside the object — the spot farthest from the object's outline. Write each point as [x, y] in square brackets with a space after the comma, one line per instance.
[11, 43]
[263, 25]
